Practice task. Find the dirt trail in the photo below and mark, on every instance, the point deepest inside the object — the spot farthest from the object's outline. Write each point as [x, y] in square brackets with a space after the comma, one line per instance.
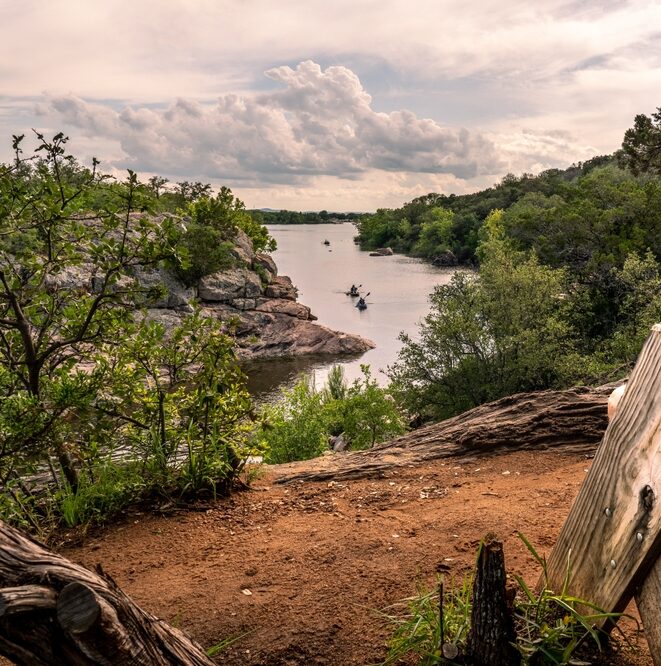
[320, 558]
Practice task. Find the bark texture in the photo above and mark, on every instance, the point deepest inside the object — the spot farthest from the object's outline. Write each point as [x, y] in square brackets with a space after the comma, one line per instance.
[55, 612]
[574, 419]
[491, 637]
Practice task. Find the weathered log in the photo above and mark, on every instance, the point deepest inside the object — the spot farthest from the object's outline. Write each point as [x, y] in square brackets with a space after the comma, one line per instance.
[492, 636]
[27, 598]
[53, 611]
[574, 419]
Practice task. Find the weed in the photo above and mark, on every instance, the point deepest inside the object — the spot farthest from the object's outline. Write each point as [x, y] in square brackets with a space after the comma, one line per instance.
[551, 626]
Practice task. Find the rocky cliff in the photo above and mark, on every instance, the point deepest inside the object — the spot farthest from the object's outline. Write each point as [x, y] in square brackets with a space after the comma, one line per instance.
[257, 306]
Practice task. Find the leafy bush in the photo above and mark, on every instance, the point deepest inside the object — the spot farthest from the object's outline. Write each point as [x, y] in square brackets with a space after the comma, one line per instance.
[203, 252]
[299, 426]
[486, 336]
[295, 428]
[87, 393]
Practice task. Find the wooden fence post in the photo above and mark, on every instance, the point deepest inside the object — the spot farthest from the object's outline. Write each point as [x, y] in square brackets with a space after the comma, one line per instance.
[612, 536]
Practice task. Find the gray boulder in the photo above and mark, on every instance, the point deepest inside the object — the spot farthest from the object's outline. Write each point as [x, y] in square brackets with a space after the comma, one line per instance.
[243, 248]
[226, 286]
[265, 262]
[281, 287]
[71, 278]
[166, 290]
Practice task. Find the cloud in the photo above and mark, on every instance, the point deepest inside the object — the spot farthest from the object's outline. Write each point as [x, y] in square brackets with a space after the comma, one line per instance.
[318, 122]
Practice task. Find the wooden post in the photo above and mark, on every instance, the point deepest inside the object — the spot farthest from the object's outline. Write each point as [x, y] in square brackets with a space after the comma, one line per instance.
[612, 536]
[648, 600]
[54, 612]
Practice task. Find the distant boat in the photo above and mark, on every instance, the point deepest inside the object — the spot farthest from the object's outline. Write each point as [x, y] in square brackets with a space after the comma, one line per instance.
[327, 242]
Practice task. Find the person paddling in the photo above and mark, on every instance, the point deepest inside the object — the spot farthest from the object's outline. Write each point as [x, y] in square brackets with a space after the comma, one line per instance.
[362, 305]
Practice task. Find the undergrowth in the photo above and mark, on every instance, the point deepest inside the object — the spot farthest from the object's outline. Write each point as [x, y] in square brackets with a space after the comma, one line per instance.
[553, 628]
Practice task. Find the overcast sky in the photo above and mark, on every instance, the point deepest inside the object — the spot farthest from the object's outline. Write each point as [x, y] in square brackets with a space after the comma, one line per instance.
[336, 104]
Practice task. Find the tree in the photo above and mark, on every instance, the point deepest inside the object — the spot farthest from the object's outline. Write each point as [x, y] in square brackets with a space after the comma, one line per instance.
[157, 184]
[487, 336]
[66, 285]
[435, 233]
[641, 147]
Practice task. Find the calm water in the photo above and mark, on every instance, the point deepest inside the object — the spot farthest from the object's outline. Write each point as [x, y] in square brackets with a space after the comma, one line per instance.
[398, 290]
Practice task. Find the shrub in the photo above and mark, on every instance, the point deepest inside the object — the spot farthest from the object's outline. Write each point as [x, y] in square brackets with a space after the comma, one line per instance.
[300, 425]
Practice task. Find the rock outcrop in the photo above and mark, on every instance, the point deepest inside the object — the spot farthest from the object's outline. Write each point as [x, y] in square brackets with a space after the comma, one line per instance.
[256, 305]
[226, 286]
[447, 258]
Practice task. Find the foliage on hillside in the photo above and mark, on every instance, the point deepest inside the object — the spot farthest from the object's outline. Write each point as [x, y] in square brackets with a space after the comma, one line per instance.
[100, 405]
[568, 287]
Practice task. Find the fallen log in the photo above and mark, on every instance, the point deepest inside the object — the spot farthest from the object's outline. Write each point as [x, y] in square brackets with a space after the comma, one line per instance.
[55, 612]
[574, 419]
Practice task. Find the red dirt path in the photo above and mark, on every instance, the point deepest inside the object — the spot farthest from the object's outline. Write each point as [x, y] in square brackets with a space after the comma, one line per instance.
[319, 559]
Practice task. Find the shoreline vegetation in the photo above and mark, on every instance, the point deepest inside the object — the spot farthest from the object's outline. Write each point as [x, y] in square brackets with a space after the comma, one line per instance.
[569, 283]
[309, 217]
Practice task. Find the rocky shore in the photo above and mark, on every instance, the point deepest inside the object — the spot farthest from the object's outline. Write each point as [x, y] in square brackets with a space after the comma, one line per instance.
[257, 306]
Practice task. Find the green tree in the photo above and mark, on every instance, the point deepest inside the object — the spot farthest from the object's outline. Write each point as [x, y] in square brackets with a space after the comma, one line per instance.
[436, 234]
[486, 336]
[641, 147]
[65, 285]
[180, 399]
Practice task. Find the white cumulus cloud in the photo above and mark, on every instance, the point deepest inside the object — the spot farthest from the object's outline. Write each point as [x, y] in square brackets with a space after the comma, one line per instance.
[318, 122]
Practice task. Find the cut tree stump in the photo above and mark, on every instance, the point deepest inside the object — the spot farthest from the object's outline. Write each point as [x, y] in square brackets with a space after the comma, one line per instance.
[492, 636]
[575, 420]
[57, 613]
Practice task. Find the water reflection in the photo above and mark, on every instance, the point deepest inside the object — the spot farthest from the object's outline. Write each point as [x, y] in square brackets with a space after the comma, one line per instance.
[398, 289]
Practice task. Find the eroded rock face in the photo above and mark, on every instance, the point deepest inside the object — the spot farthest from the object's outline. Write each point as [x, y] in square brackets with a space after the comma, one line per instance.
[168, 291]
[226, 286]
[283, 335]
[266, 262]
[281, 287]
[243, 248]
[276, 334]
[291, 308]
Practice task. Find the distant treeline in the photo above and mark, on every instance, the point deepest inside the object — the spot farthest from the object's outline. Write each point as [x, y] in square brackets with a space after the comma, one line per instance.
[297, 217]
[434, 224]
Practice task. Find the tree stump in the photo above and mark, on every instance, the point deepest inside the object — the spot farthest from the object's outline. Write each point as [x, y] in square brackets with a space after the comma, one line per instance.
[492, 634]
[57, 613]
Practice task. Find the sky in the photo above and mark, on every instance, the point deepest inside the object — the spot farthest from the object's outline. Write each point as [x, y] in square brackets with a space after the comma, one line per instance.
[335, 104]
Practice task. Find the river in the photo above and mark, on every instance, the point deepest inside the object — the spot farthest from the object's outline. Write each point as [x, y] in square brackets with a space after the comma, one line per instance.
[398, 288]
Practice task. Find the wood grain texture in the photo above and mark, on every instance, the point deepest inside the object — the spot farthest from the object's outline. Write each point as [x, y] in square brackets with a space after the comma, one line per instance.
[26, 598]
[612, 536]
[648, 600]
[99, 623]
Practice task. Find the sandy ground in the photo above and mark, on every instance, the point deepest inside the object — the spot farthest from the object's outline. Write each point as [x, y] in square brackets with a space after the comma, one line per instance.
[302, 569]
